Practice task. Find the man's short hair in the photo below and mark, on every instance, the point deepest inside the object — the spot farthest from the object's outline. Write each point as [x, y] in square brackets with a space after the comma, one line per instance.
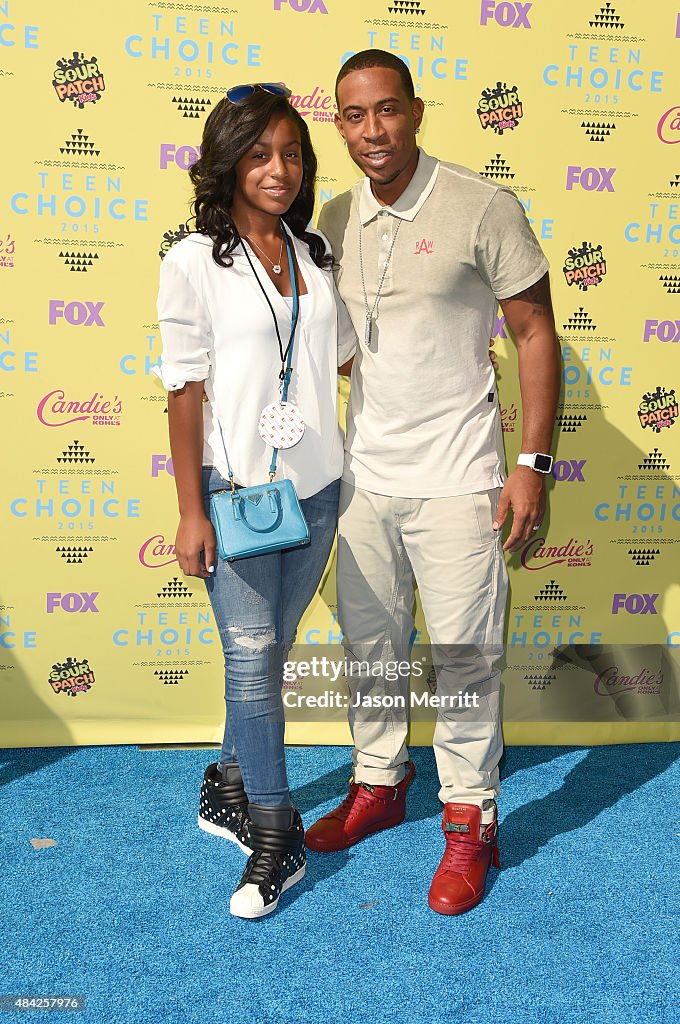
[377, 59]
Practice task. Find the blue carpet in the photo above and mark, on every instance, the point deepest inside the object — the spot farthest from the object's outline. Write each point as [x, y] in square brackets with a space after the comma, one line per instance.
[131, 907]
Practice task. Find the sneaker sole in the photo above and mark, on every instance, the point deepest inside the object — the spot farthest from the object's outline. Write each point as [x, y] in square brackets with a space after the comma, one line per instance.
[353, 842]
[445, 908]
[263, 911]
[223, 833]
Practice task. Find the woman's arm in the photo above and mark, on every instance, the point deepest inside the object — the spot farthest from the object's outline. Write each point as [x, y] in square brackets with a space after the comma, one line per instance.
[194, 533]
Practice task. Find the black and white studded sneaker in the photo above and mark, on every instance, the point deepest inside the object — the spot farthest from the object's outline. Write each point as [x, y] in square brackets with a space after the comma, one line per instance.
[223, 808]
[277, 863]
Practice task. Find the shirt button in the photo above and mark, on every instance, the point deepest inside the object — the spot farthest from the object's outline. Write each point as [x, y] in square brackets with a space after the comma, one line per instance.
[385, 237]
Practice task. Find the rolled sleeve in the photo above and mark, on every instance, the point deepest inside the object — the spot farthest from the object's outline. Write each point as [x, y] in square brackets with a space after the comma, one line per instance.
[185, 330]
[507, 252]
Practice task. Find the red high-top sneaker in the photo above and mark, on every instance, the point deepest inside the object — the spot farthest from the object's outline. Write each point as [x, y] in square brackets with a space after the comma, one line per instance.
[364, 810]
[458, 883]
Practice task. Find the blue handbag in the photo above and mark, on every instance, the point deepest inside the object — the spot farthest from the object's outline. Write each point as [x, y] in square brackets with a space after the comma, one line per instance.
[259, 520]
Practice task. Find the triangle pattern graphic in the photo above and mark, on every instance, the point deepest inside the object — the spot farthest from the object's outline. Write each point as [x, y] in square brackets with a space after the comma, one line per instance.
[655, 460]
[75, 452]
[606, 18]
[579, 321]
[597, 132]
[171, 676]
[174, 588]
[406, 7]
[671, 283]
[73, 554]
[79, 262]
[191, 106]
[79, 145]
[540, 682]
[643, 556]
[498, 169]
[569, 424]
[551, 592]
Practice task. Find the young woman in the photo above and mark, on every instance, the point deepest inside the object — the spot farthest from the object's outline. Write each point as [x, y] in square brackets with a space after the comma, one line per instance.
[225, 312]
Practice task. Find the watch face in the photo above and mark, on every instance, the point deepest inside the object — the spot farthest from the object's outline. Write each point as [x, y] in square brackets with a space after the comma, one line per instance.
[543, 463]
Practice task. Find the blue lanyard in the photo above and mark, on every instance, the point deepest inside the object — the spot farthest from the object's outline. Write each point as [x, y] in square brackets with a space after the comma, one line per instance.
[287, 356]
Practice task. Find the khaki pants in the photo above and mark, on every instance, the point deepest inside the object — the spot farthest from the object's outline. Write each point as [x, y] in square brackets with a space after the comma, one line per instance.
[450, 548]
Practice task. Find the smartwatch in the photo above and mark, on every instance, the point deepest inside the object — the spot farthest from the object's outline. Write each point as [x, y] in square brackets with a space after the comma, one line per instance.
[538, 461]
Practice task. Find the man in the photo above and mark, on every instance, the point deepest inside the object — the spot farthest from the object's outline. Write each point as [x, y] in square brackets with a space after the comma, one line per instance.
[424, 251]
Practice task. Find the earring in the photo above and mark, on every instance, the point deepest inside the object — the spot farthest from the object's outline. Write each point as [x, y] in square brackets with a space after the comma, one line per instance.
[417, 131]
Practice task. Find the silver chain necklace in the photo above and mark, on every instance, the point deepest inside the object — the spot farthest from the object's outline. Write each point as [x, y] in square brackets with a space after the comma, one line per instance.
[276, 267]
[370, 313]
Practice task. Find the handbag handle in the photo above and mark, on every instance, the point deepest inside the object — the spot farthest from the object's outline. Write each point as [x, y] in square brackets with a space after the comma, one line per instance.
[274, 498]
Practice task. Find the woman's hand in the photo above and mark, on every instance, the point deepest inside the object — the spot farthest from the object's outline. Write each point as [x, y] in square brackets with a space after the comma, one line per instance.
[492, 354]
[194, 535]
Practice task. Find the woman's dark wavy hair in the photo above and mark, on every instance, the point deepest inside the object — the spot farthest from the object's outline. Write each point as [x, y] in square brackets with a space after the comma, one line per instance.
[229, 132]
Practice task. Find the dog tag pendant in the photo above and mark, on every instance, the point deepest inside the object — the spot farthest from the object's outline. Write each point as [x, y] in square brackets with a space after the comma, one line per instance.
[368, 330]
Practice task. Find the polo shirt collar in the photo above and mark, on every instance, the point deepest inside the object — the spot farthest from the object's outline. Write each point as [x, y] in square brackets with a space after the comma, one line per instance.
[412, 198]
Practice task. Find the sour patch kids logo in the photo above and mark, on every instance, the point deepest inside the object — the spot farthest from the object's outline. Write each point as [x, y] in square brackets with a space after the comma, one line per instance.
[500, 108]
[585, 266]
[78, 80]
[71, 677]
[658, 409]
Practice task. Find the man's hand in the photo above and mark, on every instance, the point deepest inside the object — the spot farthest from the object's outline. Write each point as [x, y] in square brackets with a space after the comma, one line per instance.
[524, 492]
[194, 535]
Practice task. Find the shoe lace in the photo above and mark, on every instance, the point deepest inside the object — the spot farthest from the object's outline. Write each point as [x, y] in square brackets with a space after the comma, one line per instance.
[357, 798]
[262, 867]
[461, 853]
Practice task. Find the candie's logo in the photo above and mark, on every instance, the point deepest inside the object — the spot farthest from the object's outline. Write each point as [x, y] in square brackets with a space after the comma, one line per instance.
[317, 105]
[509, 419]
[610, 682]
[668, 128]
[536, 555]
[585, 266]
[56, 410]
[157, 552]
[658, 409]
[7, 246]
[500, 108]
[78, 80]
[71, 677]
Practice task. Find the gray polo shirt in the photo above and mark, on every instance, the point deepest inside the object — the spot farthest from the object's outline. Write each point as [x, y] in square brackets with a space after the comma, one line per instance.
[423, 418]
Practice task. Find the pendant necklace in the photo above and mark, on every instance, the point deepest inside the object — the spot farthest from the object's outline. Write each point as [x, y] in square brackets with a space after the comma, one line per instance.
[370, 313]
[276, 267]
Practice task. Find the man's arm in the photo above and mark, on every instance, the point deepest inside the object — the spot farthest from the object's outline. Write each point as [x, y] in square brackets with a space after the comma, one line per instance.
[529, 316]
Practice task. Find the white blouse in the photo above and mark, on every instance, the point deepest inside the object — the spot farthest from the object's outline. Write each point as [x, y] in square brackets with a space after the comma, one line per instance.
[216, 327]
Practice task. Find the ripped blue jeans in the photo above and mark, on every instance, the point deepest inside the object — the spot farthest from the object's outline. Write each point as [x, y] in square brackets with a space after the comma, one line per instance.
[258, 603]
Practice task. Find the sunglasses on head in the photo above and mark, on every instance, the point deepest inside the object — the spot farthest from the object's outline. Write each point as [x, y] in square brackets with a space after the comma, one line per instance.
[238, 93]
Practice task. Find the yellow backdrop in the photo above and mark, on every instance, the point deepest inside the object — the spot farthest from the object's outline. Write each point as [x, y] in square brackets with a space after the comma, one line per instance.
[575, 106]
